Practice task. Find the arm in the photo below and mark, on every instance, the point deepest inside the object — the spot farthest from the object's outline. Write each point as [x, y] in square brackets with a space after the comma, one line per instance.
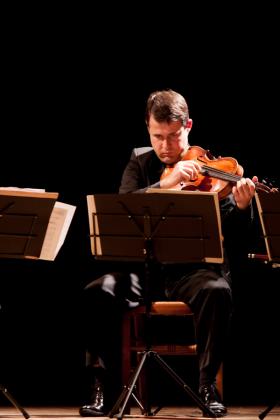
[236, 209]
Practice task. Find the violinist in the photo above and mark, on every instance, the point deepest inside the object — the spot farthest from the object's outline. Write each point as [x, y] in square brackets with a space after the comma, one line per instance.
[205, 287]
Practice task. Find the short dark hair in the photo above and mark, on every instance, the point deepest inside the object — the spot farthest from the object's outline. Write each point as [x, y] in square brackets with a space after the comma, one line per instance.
[166, 106]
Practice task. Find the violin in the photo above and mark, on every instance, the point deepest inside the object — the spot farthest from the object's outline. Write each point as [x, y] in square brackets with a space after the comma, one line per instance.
[216, 174]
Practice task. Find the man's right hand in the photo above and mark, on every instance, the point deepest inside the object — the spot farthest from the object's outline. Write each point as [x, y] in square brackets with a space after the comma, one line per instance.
[183, 172]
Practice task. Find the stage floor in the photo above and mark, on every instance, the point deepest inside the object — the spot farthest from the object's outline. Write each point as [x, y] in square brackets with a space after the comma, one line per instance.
[192, 413]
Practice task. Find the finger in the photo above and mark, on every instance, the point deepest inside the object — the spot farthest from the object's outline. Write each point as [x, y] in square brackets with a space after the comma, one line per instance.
[246, 187]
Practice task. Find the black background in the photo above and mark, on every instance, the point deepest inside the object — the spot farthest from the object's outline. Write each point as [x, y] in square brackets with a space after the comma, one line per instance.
[74, 86]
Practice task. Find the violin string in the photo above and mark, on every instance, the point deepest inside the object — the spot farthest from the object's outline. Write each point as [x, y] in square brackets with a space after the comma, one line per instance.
[231, 177]
[223, 175]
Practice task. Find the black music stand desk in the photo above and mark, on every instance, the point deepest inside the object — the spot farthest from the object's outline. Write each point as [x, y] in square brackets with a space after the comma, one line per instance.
[163, 226]
[24, 218]
[268, 205]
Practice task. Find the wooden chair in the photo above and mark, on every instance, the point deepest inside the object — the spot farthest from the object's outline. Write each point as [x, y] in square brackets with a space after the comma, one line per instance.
[133, 340]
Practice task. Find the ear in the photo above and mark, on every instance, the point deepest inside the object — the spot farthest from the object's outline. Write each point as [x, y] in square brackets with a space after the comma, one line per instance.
[189, 124]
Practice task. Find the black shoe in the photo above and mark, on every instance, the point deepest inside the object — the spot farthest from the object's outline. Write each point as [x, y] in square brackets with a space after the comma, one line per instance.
[212, 400]
[96, 408]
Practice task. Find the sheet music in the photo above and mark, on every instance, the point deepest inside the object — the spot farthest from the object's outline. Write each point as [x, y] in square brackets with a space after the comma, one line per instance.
[58, 227]
[55, 217]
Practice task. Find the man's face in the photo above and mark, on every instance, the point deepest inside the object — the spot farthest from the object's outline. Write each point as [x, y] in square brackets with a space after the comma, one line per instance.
[168, 140]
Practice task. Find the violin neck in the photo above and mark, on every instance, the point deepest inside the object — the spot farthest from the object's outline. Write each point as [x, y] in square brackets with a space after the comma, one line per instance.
[225, 176]
[217, 173]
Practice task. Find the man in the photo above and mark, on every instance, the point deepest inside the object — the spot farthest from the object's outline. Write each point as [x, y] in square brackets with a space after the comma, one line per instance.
[205, 287]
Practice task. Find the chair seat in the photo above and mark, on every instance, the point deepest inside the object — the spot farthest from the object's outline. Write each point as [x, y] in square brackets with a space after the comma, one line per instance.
[170, 308]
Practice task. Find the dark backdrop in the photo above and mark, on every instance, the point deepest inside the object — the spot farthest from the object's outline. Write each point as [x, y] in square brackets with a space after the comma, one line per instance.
[73, 101]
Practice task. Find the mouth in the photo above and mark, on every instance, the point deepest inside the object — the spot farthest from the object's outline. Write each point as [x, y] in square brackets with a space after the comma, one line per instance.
[166, 155]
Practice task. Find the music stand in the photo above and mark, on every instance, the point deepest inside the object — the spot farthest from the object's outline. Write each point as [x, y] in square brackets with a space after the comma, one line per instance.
[24, 218]
[163, 226]
[268, 205]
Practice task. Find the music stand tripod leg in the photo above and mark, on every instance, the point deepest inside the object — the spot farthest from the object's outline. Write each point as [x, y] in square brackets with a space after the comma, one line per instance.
[183, 385]
[267, 410]
[4, 390]
[128, 391]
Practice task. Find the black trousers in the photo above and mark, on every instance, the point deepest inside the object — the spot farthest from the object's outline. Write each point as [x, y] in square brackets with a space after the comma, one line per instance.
[206, 289]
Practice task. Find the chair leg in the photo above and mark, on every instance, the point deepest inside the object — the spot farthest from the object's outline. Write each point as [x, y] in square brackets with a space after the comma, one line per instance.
[219, 380]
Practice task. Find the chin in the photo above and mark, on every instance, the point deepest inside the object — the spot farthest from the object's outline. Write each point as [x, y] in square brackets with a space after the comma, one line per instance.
[168, 160]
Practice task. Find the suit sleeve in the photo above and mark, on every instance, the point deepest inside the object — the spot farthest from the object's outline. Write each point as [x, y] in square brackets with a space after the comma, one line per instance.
[134, 178]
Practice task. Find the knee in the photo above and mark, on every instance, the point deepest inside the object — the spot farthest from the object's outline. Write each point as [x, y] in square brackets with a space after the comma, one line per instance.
[218, 290]
[123, 288]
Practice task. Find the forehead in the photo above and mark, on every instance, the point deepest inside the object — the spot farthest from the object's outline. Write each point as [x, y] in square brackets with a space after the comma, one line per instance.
[164, 127]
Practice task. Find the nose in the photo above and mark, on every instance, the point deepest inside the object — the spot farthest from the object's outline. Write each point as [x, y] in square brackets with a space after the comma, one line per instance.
[166, 142]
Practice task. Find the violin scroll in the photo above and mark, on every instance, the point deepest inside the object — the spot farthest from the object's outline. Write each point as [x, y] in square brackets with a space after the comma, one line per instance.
[266, 186]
